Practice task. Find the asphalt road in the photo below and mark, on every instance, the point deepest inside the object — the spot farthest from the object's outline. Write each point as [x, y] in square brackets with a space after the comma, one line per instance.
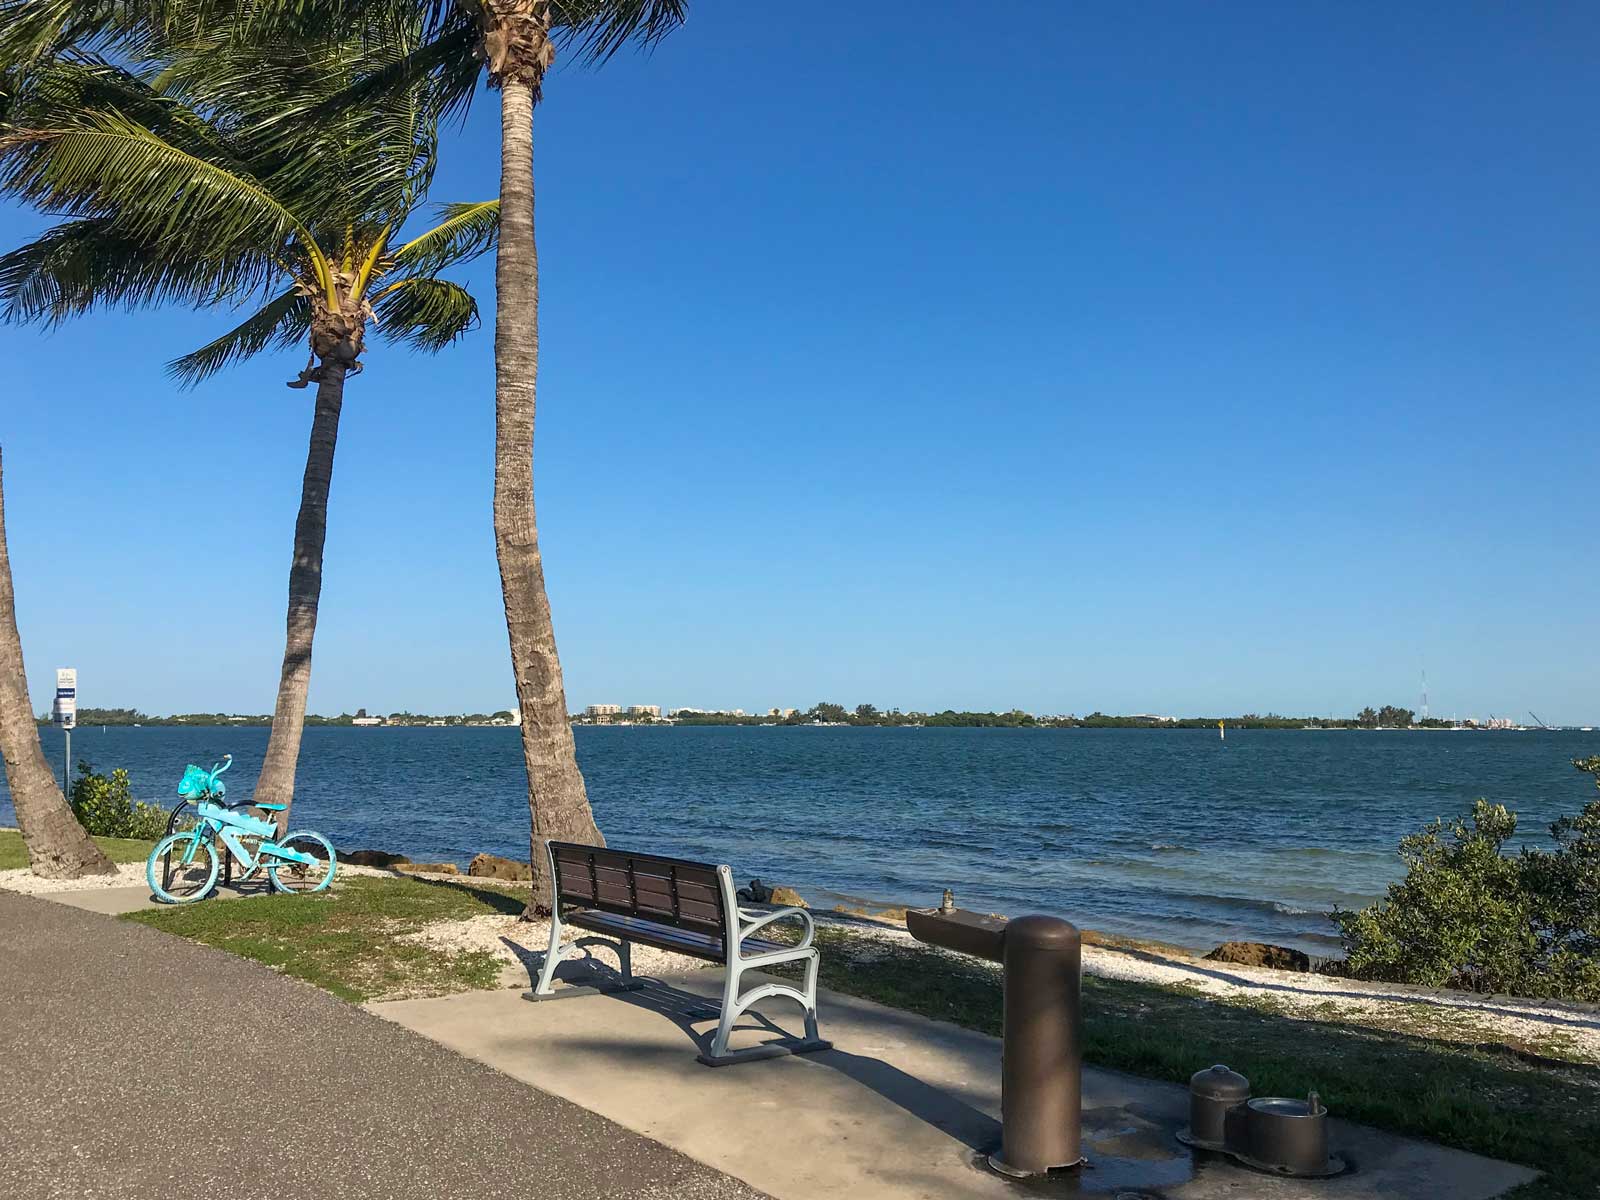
[137, 1065]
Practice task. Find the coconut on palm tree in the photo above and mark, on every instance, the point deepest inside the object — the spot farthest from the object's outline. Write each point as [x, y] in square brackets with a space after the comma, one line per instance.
[58, 846]
[208, 175]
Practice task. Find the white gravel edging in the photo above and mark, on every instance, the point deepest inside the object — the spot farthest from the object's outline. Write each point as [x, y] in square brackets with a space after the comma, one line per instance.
[519, 946]
[25, 881]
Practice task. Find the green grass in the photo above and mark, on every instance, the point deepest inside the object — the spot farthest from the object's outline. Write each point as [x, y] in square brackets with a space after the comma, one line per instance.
[350, 941]
[1490, 1100]
[13, 854]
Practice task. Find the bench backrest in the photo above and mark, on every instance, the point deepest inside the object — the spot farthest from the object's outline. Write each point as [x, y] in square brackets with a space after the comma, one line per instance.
[668, 891]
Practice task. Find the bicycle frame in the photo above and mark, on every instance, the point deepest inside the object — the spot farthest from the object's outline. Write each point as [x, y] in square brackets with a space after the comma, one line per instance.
[265, 849]
[218, 827]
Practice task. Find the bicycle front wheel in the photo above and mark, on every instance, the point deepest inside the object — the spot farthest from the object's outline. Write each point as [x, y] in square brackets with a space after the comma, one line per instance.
[182, 867]
[304, 877]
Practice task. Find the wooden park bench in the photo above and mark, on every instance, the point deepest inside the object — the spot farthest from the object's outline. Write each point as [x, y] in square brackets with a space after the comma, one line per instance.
[687, 908]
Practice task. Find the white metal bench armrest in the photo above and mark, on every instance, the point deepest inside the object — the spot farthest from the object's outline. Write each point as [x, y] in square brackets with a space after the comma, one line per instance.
[764, 919]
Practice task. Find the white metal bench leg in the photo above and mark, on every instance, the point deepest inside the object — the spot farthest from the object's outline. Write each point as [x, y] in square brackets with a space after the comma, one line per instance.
[734, 1005]
[552, 957]
[730, 1011]
[557, 954]
[813, 965]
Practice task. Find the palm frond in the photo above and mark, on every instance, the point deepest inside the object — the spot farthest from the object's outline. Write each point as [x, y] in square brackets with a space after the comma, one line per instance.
[425, 313]
[344, 129]
[88, 264]
[466, 231]
[220, 145]
[37, 31]
[64, 91]
[33, 31]
[597, 29]
[109, 166]
[443, 64]
[281, 322]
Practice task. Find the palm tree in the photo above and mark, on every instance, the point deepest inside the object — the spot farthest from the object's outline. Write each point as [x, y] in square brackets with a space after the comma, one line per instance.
[210, 175]
[516, 41]
[513, 42]
[58, 846]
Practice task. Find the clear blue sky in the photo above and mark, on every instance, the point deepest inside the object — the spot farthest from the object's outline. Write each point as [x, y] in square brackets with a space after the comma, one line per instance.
[1165, 358]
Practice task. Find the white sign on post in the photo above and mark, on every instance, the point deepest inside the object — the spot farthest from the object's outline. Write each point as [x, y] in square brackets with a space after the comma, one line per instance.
[66, 710]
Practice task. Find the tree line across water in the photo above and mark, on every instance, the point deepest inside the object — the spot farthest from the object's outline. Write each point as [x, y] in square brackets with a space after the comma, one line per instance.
[132, 716]
[1388, 717]
[826, 713]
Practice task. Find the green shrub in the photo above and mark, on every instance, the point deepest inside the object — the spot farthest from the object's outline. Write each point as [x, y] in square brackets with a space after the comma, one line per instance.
[106, 806]
[1468, 915]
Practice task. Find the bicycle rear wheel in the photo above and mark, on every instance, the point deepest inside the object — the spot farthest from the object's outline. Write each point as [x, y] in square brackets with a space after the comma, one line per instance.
[303, 877]
[174, 880]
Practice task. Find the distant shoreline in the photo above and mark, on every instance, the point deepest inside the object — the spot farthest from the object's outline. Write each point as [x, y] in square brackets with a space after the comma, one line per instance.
[1203, 724]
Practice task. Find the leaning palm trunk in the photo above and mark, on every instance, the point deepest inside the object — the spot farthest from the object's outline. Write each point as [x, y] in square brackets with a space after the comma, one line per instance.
[58, 847]
[276, 784]
[557, 802]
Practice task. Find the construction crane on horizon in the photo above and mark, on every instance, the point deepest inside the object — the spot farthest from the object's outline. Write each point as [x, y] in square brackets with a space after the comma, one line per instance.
[1538, 722]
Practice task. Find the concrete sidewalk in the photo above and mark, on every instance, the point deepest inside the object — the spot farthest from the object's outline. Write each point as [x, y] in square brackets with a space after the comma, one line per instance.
[142, 1067]
[114, 901]
[899, 1110]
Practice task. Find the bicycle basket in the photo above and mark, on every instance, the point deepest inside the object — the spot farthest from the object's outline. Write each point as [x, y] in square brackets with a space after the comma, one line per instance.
[196, 782]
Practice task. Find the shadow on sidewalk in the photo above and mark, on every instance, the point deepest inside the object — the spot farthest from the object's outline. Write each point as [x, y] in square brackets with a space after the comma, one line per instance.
[688, 1011]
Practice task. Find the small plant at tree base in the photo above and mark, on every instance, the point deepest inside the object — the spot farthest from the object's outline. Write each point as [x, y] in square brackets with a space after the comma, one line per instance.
[106, 807]
[1468, 915]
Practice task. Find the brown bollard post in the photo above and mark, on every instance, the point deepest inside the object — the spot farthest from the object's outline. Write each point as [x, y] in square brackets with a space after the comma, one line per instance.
[1041, 1066]
[1041, 1056]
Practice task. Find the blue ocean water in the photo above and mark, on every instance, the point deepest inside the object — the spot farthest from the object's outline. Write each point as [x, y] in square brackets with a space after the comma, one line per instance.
[1168, 834]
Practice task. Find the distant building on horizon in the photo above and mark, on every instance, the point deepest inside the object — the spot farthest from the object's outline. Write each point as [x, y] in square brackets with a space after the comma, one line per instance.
[644, 710]
[603, 710]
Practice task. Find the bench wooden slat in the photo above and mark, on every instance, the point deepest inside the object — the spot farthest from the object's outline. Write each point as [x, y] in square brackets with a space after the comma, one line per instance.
[692, 920]
[679, 896]
[646, 932]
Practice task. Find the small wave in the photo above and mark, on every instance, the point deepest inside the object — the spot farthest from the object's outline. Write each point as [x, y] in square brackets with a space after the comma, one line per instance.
[1248, 903]
[1171, 848]
[1330, 852]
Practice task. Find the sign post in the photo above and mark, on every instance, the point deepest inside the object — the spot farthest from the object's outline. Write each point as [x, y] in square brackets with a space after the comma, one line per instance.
[66, 715]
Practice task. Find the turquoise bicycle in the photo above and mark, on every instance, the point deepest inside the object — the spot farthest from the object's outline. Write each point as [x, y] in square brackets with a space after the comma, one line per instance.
[183, 866]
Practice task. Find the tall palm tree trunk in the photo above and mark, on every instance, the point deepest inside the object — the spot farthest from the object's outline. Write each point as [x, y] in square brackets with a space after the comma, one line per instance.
[276, 784]
[58, 847]
[557, 802]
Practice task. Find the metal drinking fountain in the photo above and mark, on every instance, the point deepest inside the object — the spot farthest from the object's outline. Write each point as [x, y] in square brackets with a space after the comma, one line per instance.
[1041, 1063]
